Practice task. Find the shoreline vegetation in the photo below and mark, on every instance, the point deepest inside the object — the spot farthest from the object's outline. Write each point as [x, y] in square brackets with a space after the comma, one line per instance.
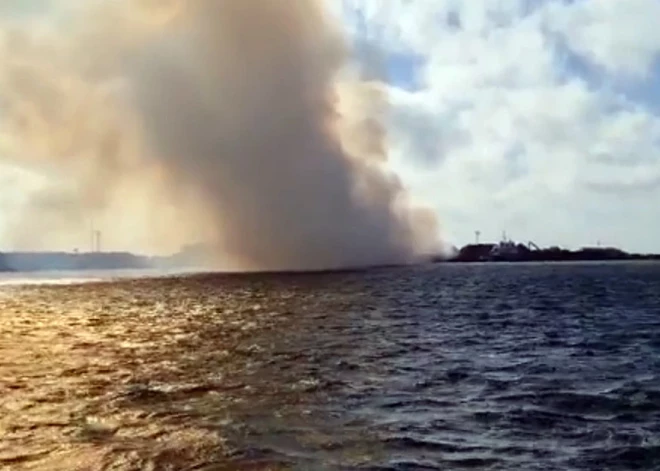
[505, 251]
[509, 251]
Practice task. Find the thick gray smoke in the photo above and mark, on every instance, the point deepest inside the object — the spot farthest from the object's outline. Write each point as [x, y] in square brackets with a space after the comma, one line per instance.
[223, 121]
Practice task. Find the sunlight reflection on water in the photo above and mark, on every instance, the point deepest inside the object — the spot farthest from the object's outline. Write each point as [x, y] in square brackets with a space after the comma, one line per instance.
[79, 277]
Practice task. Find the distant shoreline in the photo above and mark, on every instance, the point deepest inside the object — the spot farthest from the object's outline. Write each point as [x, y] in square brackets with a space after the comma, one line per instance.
[509, 251]
[653, 258]
[34, 262]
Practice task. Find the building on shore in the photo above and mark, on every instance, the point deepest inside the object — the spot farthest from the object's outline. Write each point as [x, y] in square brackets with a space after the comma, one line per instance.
[509, 251]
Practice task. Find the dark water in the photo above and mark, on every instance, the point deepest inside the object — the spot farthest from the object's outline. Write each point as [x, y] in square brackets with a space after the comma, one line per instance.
[482, 367]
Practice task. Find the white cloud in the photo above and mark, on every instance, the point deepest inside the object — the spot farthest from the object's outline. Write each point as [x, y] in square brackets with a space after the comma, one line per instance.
[507, 129]
[621, 36]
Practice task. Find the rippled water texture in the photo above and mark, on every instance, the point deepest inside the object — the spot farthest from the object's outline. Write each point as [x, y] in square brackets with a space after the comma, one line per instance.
[486, 367]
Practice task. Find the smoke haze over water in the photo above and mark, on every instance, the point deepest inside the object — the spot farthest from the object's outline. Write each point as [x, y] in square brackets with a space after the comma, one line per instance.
[233, 123]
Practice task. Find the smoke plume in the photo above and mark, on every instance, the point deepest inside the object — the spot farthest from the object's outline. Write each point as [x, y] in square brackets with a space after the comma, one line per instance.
[233, 123]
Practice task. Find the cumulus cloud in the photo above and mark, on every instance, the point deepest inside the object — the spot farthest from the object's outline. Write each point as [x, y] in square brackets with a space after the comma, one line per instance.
[526, 115]
[622, 37]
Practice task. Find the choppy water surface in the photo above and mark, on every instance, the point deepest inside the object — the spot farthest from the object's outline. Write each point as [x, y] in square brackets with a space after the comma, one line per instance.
[486, 367]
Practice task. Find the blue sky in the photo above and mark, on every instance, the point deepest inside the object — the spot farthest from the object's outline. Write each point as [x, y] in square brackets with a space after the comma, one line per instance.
[538, 117]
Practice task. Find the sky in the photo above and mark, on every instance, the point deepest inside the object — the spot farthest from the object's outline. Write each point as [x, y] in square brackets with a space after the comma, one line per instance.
[540, 118]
